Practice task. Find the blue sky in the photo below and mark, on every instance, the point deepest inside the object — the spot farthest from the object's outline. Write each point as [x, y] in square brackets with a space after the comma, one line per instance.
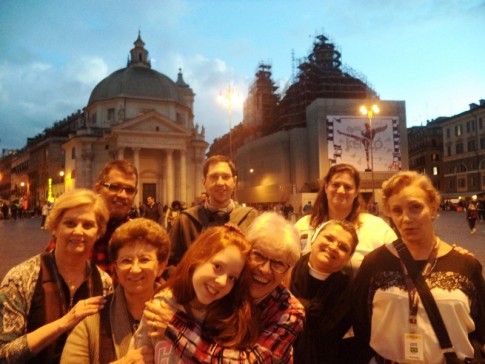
[430, 54]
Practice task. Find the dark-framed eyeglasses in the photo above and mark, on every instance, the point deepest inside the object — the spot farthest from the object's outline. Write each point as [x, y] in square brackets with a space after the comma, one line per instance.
[275, 265]
[116, 188]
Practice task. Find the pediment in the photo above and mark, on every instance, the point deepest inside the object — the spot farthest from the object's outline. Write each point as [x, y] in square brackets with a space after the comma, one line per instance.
[151, 122]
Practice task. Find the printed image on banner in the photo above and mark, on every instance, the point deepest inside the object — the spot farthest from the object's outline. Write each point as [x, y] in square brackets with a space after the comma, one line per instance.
[352, 140]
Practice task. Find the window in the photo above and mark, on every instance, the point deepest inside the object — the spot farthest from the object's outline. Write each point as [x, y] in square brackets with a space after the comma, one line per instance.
[448, 132]
[111, 115]
[459, 148]
[461, 182]
[482, 142]
[458, 130]
[471, 146]
[435, 157]
[435, 171]
[73, 153]
[448, 150]
[480, 122]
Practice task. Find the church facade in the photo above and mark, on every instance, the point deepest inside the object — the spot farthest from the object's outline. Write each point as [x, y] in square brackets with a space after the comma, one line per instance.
[137, 114]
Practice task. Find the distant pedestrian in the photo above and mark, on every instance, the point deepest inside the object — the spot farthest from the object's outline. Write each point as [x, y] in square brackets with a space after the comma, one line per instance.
[46, 208]
[153, 210]
[5, 210]
[481, 209]
[471, 215]
[172, 214]
[307, 208]
[14, 209]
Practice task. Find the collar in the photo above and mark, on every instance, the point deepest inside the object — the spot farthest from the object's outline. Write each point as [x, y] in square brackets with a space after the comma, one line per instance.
[226, 209]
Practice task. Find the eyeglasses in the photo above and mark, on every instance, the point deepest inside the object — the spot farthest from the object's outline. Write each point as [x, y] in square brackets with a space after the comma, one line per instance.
[113, 187]
[127, 263]
[275, 265]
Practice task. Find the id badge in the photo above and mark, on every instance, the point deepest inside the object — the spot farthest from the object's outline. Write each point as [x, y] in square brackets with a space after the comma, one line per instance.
[414, 347]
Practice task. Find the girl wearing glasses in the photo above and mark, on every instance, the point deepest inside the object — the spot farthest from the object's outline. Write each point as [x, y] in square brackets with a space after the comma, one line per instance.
[139, 249]
[210, 286]
[318, 282]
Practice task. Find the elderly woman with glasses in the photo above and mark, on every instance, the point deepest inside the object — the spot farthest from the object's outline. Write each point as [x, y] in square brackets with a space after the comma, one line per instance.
[139, 249]
[279, 315]
[43, 298]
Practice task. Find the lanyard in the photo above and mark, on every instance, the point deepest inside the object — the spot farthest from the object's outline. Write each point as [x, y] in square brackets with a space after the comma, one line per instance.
[411, 288]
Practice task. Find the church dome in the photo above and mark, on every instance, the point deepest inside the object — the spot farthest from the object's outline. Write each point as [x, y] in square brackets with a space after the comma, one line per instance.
[137, 80]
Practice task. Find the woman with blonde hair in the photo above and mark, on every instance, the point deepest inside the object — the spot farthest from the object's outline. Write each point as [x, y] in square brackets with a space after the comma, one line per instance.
[43, 298]
[389, 313]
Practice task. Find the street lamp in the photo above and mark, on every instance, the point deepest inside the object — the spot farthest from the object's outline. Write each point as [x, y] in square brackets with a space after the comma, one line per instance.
[369, 141]
[230, 97]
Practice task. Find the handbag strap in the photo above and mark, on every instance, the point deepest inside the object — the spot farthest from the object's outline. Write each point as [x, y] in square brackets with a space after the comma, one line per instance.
[427, 298]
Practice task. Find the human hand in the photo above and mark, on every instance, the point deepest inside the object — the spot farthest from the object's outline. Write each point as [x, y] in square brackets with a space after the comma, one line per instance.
[157, 315]
[143, 355]
[80, 310]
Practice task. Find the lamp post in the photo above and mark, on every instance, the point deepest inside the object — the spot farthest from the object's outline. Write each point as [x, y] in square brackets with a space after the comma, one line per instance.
[369, 134]
[230, 97]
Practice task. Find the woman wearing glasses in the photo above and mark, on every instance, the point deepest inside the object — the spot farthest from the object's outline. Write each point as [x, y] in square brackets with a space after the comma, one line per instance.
[43, 298]
[318, 282]
[279, 315]
[139, 250]
[339, 199]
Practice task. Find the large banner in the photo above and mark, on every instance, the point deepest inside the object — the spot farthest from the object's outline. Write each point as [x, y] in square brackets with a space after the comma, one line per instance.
[355, 141]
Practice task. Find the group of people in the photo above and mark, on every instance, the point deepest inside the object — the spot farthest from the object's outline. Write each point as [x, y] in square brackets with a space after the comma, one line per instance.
[228, 284]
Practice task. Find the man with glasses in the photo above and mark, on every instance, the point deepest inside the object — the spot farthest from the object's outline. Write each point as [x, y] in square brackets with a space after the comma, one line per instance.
[117, 185]
[280, 316]
[220, 179]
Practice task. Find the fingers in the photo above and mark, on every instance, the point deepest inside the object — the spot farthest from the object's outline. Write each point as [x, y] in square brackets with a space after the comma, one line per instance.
[80, 310]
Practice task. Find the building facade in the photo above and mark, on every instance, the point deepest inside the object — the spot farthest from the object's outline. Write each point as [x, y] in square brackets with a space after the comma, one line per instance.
[426, 150]
[464, 153]
[136, 113]
[286, 143]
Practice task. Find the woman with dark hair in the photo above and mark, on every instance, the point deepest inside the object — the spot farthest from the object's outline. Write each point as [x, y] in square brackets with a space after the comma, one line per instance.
[210, 284]
[339, 199]
[139, 250]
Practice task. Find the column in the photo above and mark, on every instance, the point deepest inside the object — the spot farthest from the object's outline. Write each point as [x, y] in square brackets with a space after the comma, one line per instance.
[170, 176]
[121, 153]
[183, 177]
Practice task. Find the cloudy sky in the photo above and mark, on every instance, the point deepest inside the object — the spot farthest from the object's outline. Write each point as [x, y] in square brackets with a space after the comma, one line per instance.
[429, 53]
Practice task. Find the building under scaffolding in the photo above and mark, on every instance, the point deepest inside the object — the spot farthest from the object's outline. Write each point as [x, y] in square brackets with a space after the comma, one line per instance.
[320, 75]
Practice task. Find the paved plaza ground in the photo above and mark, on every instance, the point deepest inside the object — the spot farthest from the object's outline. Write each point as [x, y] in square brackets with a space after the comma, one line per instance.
[23, 238]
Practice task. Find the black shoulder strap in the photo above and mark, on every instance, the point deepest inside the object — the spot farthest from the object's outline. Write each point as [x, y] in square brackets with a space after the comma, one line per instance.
[427, 298]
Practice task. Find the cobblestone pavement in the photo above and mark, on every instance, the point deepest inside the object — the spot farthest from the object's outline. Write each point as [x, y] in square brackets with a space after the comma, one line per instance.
[23, 238]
